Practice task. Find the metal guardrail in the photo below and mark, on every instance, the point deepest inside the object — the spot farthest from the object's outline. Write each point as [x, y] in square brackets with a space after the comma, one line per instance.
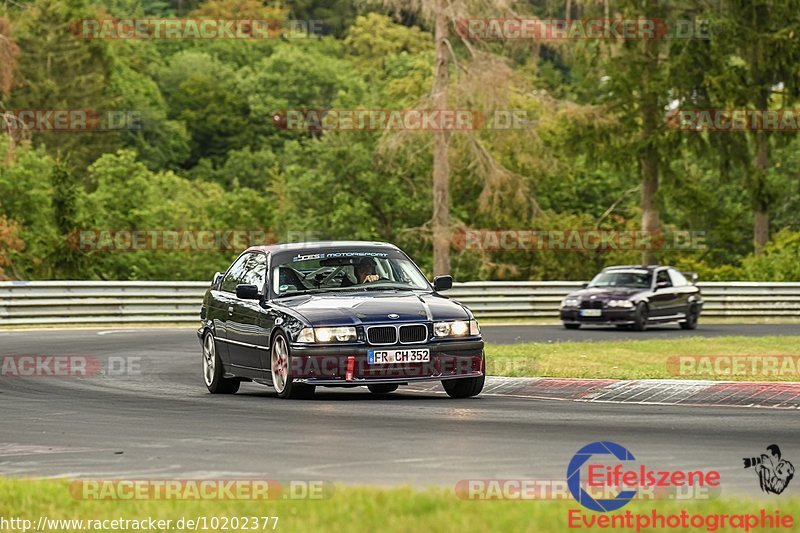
[96, 302]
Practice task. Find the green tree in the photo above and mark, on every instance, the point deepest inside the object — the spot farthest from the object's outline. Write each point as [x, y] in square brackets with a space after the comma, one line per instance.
[756, 49]
[58, 70]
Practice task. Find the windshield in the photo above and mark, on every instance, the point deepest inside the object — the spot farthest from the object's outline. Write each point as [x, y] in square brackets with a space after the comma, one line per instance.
[345, 271]
[639, 279]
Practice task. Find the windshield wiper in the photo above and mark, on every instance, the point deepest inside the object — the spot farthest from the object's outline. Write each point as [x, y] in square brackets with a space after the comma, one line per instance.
[300, 293]
[379, 288]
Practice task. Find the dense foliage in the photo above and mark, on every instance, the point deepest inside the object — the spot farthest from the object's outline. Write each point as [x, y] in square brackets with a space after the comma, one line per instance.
[209, 155]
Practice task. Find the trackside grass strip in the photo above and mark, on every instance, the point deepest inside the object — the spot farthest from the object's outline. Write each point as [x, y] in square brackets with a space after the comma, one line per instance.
[645, 359]
[353, 509]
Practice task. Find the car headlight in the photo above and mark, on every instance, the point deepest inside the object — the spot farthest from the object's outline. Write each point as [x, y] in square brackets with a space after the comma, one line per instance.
[306, 335]
[338, 334]
[620, 303]
[474, 328]
[458, 328]
[570, 302]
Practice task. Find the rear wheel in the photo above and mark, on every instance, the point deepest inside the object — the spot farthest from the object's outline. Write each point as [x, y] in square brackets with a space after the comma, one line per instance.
[691, 319]
[281, 369]
[463, 388]
[571, 326]
[213, 370]
[640, 317]
[383, 388]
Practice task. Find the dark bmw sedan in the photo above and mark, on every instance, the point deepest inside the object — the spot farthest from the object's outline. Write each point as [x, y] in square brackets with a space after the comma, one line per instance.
[337, 314]
[633, 297]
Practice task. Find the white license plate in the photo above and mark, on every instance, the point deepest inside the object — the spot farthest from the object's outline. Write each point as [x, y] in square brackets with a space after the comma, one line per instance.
[386, 357]
[591, 312]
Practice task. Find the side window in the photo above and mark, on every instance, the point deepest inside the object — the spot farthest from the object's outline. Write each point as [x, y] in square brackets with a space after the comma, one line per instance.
[678, 280]
[663, 276]
[255, 271]
[236, 272]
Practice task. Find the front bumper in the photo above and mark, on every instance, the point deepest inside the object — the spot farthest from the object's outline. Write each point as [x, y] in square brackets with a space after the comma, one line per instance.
[348, 365]
[619, 316]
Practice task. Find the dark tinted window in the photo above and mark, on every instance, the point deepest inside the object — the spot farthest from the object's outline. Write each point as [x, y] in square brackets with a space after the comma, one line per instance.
[255, 271]
[639, 279]
[235, 274]
[663, 276]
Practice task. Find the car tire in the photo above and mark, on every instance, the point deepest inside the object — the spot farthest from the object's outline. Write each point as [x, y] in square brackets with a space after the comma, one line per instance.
[281, 369]
[572, 326]
[214, 371]
[463, 388]
[383, 388]
[691, 319]
[640, 317]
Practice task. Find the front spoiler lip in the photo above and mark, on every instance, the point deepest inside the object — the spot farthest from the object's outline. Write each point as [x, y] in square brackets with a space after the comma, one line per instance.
[600, 323]
[373, 381]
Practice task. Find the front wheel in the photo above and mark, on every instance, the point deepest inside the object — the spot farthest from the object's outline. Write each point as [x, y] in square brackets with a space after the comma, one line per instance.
[691, 319]
[463, 388]
[213, 372]
[640, 317]
[280, 367]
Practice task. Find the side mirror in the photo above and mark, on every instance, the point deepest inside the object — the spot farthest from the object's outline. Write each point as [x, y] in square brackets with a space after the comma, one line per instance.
[584, 284]
[662, 284]
[216, 280]
[247, 292]
[442, 283]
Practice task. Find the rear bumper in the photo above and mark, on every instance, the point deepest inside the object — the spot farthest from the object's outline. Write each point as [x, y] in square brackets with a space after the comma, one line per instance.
[378, 381]
[320, 365]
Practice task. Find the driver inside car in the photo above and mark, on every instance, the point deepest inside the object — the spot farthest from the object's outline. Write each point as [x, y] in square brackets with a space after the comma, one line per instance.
[365, 271]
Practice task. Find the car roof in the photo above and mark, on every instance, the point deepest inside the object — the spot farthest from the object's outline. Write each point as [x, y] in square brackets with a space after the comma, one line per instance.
[636, 267]
[299, 246]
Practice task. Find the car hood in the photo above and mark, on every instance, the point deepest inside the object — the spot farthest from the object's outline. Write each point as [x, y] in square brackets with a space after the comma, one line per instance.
[374, 307]
[608, 293]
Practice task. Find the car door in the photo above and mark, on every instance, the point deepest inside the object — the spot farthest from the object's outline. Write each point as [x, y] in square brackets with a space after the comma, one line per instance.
[664, 295]
[250, 324]
[223, 300]
[683, 292]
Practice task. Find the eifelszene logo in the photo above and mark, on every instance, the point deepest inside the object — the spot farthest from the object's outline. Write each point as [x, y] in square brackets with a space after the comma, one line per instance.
[574, 476]
[774, 473]
[592, 461]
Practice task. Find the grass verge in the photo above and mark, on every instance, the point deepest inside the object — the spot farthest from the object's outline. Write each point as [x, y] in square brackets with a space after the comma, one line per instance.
[353, 509]
[647, 359]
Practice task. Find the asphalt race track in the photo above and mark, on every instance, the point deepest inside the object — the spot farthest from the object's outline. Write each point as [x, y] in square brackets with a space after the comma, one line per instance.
[556, 333]
[158, 421]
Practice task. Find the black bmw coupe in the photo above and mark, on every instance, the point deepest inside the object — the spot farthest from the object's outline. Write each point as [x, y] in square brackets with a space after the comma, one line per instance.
[633, 297]
[336, 314]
